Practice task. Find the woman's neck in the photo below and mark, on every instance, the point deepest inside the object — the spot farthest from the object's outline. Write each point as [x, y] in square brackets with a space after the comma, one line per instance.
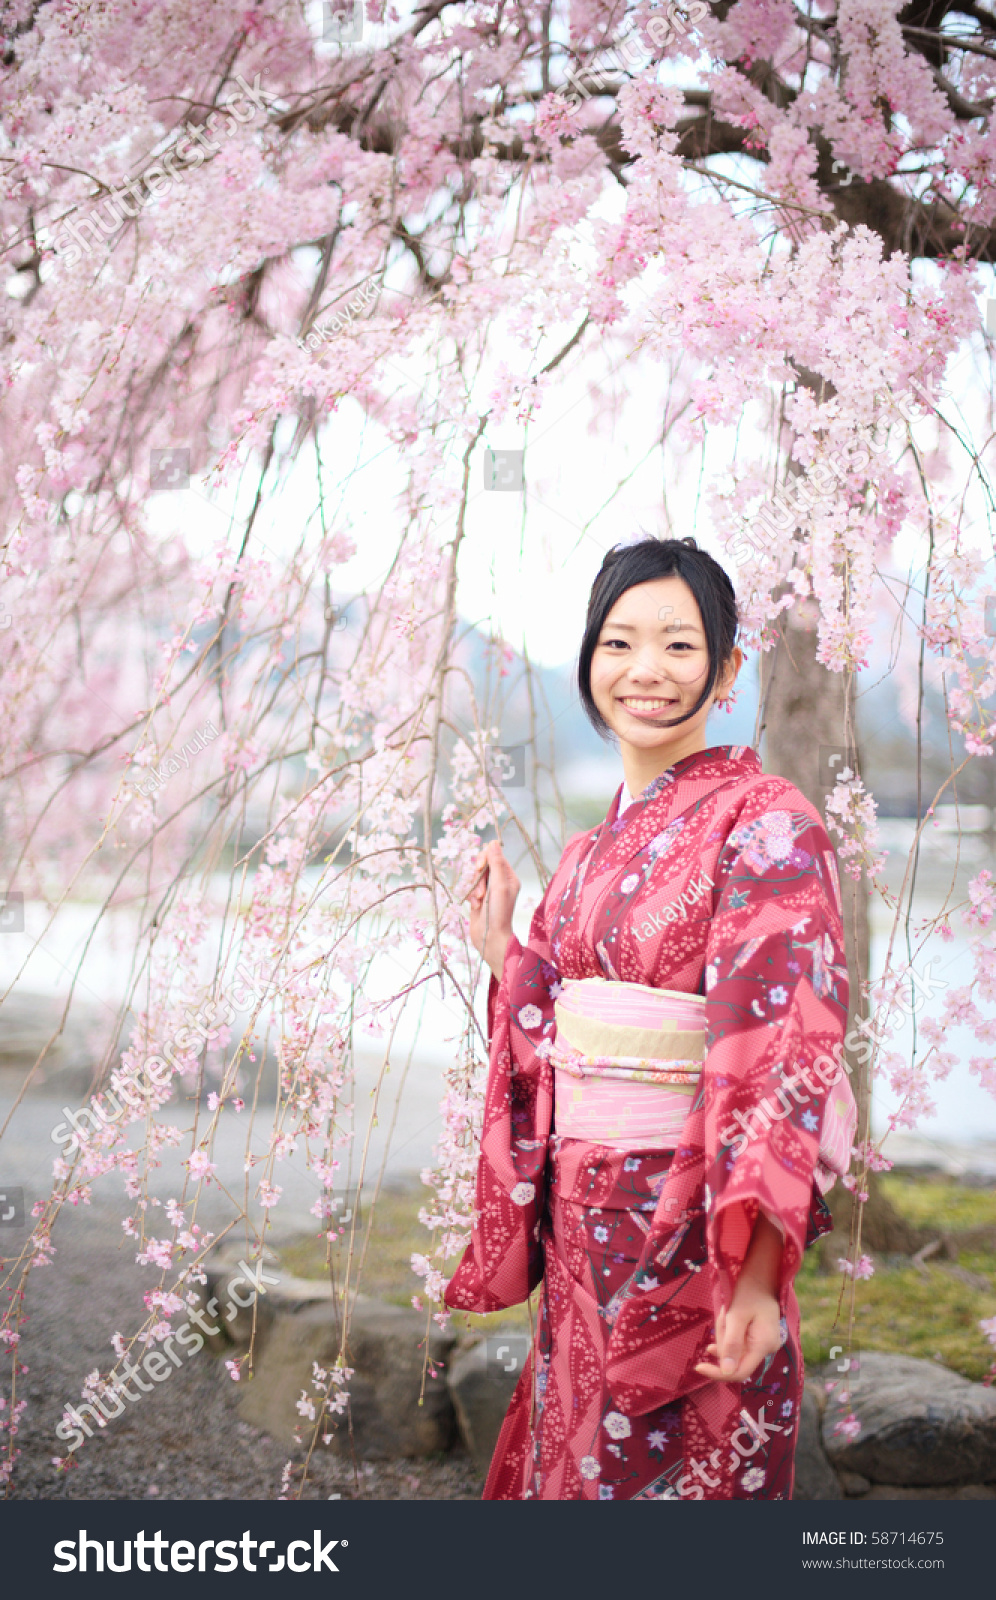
[641, 767]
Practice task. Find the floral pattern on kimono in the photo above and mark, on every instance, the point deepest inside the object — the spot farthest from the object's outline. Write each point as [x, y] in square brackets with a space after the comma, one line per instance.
[716, 881]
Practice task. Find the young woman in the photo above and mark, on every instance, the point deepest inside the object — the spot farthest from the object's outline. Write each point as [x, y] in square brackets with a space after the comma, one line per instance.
[658, 1129]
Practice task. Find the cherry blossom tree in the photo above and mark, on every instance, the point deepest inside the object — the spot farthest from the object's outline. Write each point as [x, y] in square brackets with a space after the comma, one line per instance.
[230, 230]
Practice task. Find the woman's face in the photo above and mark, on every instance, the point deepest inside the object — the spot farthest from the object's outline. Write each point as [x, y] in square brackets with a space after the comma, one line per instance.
[650, 665]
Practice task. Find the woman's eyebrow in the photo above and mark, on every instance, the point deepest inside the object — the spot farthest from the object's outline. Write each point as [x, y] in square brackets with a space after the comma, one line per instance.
[666, 627]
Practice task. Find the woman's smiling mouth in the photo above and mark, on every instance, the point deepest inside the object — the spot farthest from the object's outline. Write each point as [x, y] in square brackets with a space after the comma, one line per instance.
[645, 708]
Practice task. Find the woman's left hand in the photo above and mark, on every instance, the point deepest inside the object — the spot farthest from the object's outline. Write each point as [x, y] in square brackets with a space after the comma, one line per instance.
[745, 1334]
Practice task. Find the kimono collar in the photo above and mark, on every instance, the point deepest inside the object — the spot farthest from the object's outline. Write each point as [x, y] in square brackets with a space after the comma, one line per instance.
[718, 762]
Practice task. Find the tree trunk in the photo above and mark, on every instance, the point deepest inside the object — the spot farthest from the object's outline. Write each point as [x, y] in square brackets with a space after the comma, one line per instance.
[809, 727]
[808, 722]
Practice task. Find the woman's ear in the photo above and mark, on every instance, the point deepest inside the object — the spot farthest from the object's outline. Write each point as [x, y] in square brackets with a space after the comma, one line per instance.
[729, 674]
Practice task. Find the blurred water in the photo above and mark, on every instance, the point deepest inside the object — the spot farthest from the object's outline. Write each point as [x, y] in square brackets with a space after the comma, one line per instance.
[965, 1110]
[428, 1034]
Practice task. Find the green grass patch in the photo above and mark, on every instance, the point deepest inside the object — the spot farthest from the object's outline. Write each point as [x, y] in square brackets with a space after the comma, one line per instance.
[386, 1273]
[933, 1314]
[939, 1202]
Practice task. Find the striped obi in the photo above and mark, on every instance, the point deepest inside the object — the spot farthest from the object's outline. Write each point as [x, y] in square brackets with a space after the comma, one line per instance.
[627, 1061]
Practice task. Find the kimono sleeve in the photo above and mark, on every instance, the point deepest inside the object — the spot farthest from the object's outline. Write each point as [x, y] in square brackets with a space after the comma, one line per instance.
[504, 1261]
[776, 1008]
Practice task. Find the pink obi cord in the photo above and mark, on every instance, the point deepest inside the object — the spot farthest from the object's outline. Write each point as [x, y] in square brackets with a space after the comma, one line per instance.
[627, 1060]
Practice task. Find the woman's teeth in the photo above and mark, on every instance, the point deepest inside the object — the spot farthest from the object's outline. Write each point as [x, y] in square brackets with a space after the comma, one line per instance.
[648, 705]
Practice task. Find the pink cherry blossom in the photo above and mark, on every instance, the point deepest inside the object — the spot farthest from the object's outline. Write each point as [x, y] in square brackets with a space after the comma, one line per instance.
[268, 784]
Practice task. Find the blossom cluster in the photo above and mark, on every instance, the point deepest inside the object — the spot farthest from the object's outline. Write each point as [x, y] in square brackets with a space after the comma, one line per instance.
[332, 824]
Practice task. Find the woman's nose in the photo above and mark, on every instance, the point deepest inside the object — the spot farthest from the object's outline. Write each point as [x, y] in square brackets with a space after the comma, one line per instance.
[647, 665]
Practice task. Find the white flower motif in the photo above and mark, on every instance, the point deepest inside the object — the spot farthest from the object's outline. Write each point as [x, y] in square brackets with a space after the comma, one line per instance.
[712, 974]
[753, 1479]
[605, 1491]
[631, 1164]
[522, 1194]
[602, 1235]
[778, 995]
[629, 884]
[530, 1016]
[656, 1440]
[661, 843]
[810, 1121]
[617, 1426]
[589, 1467]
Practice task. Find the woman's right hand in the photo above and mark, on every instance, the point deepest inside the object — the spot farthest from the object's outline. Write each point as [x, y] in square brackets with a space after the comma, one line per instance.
[492, 902]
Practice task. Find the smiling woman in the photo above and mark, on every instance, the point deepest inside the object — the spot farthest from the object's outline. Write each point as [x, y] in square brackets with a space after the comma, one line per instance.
[684, 971]
[658, 652]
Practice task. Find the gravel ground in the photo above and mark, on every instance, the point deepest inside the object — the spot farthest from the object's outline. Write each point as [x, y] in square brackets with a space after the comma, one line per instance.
[184, 1440]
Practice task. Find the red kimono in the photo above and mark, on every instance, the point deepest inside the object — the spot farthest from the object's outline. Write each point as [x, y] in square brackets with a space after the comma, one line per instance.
[719, 881]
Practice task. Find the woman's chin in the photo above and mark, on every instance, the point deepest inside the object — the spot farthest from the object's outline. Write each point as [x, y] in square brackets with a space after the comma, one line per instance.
[647, 735]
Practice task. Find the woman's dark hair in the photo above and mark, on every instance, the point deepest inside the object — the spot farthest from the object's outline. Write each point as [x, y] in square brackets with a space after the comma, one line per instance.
[625, 567]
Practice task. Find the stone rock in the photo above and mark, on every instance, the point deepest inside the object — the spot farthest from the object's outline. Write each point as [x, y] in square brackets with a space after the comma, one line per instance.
[27, 1023]
[481, 1397]
[815, 1479]
[921, 1425]
[385, 1348]
[968, 1491]
[853, 1484]
[227, 1286]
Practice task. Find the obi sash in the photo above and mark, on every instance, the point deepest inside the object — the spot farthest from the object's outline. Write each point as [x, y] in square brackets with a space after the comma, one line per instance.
[627, 1061]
